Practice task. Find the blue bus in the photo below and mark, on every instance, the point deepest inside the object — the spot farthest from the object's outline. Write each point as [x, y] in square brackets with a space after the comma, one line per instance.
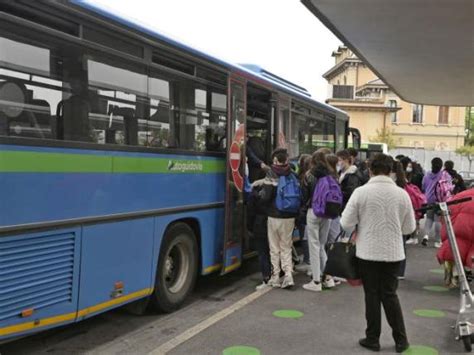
[122, 160]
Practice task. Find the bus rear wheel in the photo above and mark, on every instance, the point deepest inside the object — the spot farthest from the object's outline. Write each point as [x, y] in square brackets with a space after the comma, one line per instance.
[177, 268]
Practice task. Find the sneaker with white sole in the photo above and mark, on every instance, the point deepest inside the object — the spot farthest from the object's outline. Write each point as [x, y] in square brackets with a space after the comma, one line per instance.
[412, 241]
[274, 281]
[438, 244]
[303, 267]
[329, 283]
[313, 286]
[424, 242]
[262, 286]
[287, 282]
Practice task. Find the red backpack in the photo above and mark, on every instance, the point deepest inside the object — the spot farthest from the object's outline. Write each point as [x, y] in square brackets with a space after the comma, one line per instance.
[418, 198]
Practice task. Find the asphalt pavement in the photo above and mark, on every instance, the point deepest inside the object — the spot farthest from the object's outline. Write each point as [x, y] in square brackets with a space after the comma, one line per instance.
[225, 316]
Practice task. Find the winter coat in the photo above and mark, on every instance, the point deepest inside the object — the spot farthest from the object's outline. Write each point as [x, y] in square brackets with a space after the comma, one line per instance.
[463, 225]
[257, 214]
[349, 180]
[268, 192]
[429, 184]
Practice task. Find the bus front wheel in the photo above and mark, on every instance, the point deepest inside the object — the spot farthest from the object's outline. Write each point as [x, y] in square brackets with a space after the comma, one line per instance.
[177, 268]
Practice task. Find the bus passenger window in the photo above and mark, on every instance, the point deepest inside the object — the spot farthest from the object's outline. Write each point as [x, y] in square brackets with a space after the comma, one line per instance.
[28, 94]
[119, 94]
[156, 131]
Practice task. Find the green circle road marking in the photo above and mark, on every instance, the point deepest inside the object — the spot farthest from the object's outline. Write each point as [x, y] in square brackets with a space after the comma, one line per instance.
[241, 350]
[429, 313]
[288, 313]
[420, 350]
[437, 271]
[436, 288]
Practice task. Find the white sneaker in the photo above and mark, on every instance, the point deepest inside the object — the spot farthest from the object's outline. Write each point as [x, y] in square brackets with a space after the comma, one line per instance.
[287, 282]
[274, 281]
[313, 286]
[438, 244]
[329, 283]
[424, 242]
[412, 241]
[303, 267]
[338, 279]
[262, 286]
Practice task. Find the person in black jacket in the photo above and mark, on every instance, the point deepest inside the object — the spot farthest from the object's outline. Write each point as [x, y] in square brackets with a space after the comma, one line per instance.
[361, 166]
[458, 181]
[280, 224]
[257, 225]
[349, 176]
[304, 164]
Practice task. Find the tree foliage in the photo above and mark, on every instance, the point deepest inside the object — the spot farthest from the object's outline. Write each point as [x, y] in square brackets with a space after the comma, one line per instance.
[387, 136]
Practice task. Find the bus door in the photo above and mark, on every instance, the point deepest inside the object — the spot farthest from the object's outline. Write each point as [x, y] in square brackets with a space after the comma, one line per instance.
[356, 138]
[235, 177]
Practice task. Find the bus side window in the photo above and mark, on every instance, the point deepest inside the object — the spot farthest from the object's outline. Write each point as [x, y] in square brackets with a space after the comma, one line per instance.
[119, 94]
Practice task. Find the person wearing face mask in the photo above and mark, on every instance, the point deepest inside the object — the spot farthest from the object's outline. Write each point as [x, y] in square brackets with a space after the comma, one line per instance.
[413, 171]
[349, 175]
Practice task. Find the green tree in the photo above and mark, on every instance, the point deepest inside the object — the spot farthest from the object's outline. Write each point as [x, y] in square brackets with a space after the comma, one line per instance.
[468, 152]
[387, 136]
[469, 140]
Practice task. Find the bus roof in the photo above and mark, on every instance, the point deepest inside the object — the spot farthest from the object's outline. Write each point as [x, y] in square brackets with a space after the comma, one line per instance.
[249, 70]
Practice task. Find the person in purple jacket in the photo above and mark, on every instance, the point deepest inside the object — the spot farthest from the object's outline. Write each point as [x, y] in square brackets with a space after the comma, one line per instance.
[430, 182]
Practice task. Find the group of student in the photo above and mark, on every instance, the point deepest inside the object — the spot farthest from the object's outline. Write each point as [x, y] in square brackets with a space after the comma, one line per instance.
[332, 195]
[309, 186]
[437, 185]
[310, 198]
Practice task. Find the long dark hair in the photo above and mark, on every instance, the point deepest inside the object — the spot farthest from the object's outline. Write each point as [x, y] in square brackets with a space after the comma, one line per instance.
[400, 177]
[318, 160]
[304, 164]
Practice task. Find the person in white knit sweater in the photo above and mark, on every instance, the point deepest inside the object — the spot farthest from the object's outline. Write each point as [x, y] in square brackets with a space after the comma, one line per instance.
[383, 213]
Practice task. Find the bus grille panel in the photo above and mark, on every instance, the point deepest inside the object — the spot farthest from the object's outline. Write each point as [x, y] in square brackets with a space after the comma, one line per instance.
[35, 272]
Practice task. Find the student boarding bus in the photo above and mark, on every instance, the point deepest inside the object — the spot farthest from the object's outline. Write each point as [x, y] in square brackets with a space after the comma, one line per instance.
[122, 161]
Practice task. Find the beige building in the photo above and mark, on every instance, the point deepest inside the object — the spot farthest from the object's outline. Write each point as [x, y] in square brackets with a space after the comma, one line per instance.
[373, 107]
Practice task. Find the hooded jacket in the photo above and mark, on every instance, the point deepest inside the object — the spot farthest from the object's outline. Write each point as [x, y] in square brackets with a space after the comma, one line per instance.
[267, 194]
[463, 225]
[429, 184]
[349, 180]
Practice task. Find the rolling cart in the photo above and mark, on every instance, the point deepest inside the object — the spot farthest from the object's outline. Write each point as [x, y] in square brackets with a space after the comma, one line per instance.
[464, 327]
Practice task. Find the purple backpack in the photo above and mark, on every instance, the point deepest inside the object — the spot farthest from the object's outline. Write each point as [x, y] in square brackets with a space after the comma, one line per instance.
[327, 198]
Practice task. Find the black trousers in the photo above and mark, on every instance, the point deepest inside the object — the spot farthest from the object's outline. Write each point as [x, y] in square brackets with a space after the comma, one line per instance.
[263, 250]
[403, 263]
[380, 288]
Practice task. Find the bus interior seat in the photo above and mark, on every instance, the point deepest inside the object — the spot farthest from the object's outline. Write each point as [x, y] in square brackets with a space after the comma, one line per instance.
[72, 119]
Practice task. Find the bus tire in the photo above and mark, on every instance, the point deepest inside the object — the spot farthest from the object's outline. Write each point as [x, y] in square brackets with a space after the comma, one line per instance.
[177, 268]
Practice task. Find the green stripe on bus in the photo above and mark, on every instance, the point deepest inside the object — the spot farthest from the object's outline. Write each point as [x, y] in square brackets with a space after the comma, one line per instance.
[38, 162]
[13, 161]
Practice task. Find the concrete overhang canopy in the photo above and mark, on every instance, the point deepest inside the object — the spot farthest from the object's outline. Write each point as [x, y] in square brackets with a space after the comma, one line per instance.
[423, 49]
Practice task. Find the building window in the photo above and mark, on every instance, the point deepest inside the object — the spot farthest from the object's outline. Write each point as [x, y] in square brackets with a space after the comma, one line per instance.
[342, 92]
[443, 115]
[417, 114]
[393, 104]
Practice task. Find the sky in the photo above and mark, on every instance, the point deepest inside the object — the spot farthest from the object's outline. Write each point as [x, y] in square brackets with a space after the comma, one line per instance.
[281, 36]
